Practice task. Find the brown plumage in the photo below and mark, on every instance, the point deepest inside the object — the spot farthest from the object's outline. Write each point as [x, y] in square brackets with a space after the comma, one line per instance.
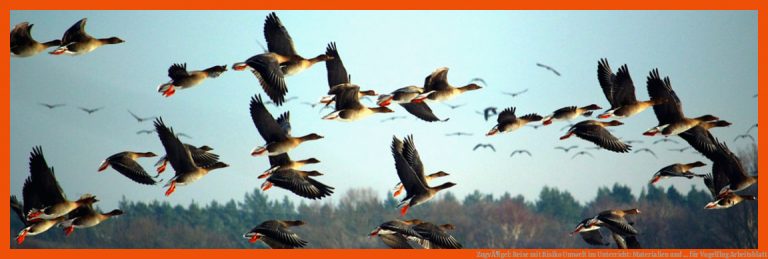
[410, 170]
[345, 94]
[278, 140]
[436, 236]
[125, 164]
[396, 233]
[595, 132]
[570, 113]
[508, 122]
[77, 42]
[22, 43]
[280, 61]
[177, 154]
[299, 182]
[276, 234]
[620, 92]
[183, 79]
[669, 112]
[677, 170]
[437, 88]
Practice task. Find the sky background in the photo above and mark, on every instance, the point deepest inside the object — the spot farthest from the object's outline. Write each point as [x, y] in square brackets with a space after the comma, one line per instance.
[710, 56]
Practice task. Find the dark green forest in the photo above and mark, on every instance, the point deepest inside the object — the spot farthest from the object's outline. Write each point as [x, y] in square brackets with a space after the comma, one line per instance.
[669, 219]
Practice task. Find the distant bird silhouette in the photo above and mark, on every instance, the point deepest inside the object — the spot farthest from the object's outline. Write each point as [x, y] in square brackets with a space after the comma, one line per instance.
[515, 94]
[520, 151]
[459, 134]
[754, 96]
[582, 153]
[489, 112]
[646, 150]
[313, 105]
[90, 111]
[548, 68]
[594, 148]
[665, 140]
[477, 79]
[745, 136]
[139, 119]
[750, 128]
[566, 149]
[534, 126]
[484, 146]
[145, 131]
[52, 106]
[393, 118]
[681, 150]
[453, 107]
[284, 101]
[630, 142]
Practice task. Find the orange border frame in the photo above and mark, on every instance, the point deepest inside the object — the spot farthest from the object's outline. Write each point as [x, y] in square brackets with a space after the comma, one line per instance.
[8, 5]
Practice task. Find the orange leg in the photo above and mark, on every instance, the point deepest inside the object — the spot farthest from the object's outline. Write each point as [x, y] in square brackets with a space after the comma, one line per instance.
[69, 230]
[386, 102]
[650, 133]
[20, 238]
[171, 189]
[171, 90]
[398, 190]
[259, 151]
[266, 186]
[34, 215]
[374, 233]
[566, 136]
[254, 238]
[547, 122]
[103, 166]
[403, 211]
[161, 168]
[57, 52]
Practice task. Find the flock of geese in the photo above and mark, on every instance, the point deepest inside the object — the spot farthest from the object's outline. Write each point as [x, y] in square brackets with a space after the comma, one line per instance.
[45, 205]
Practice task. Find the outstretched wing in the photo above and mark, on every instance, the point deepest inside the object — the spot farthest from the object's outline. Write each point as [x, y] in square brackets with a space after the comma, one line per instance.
[270, 75]
[176, 153]
[131, 169]
[278, 39]
[41, 188]
[75, 33]
[267, 126]
[412, 180]
[178, 71]
[301, 185]
[603, 138]
[507, 116]
[337, 74]
[661, 90]
[436, 81]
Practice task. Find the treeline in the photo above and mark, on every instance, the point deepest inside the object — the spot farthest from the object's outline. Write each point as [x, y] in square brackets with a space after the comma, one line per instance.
[669, 219]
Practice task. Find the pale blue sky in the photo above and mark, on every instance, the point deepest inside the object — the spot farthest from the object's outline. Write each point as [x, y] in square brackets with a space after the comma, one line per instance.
[710, 56]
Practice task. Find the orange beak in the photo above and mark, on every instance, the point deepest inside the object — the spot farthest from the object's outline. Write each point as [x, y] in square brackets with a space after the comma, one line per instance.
[604, 116]
[239, 67]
